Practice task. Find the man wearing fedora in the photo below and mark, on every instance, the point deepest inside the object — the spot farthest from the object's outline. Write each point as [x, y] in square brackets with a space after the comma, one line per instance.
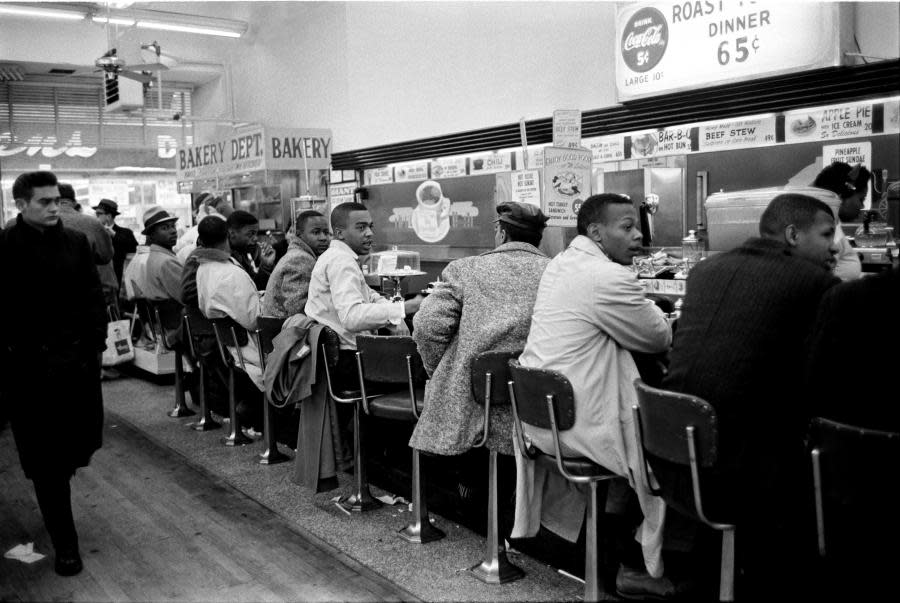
[163, 267]
[122, 238]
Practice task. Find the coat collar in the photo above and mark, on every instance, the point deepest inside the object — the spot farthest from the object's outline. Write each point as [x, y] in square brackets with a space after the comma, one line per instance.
[161, 249]
[29, 230]
[516, 246]
[295, 242]
[342, 247]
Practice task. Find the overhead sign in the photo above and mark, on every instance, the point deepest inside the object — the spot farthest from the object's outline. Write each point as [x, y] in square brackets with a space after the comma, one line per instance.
[829, 123]
[255, 149]
[341, 193]
[491, 162]
[407, 172]
[737, 134]
[668, 46]
[450, 167]
[383, 175]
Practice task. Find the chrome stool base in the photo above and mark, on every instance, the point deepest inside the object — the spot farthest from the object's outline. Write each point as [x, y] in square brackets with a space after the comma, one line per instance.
[421, 533]
[181, 411]
[204, 424]
[360, 502]
[236, 438]
[500, 571]
[273, 456]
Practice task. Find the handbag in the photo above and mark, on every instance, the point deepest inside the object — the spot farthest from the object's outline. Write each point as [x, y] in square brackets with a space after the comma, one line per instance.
[119, 348]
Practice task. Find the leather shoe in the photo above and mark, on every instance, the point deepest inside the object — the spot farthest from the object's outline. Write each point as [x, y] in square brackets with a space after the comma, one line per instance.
[638, 584]
[68, 563]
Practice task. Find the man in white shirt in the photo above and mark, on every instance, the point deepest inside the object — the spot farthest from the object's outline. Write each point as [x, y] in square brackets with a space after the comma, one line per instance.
[338, 294]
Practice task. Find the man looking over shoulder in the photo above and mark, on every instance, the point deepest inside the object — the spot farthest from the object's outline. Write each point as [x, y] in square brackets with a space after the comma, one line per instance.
[851, 184]
[50, 353]
[590, 315]
[741, 347]
[339, 297]
[288, 287]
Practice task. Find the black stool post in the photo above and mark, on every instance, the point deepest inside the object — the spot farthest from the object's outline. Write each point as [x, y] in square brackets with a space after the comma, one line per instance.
[362, 499]
[206, 422]
[496, 568]
[181, 409]
[271, 455]
[235, 436]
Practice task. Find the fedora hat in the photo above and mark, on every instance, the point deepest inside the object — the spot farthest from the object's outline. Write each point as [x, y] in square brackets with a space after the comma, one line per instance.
[107, 206]
[155, 215]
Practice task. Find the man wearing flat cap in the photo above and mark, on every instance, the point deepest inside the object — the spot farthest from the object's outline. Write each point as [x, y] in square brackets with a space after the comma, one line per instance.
[482, 303]
[122, 238]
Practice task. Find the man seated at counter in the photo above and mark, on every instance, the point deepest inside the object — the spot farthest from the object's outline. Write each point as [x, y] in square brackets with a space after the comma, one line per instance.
[851, 184]
[482, 303]
[741, 346]
[256, 260]
[590, 315]
[224, 289]
[206, 205]
[339, 297]
[288, 286]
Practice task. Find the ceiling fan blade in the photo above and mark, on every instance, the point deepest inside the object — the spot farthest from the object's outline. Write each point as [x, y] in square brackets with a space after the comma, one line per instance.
[138, 77]
[149, 67]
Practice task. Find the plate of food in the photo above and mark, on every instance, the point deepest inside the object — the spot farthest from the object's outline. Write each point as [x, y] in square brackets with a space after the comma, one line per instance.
[567, 183]
[802, 126]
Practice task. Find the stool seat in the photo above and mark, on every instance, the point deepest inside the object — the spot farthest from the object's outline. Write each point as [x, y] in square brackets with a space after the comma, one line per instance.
[575, 465]
[347, 394]
[396, 406]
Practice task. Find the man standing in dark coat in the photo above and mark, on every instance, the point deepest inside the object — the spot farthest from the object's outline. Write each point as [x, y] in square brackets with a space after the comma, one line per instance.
[50, 353]
[122, 238]
[741, 346]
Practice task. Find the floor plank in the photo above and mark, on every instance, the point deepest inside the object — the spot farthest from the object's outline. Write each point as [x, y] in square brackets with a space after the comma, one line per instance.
[153, 527]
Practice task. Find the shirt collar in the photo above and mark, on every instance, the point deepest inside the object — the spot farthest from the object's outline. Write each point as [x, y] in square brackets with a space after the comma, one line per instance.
[342, 247]
[589, 246]
[161, 249]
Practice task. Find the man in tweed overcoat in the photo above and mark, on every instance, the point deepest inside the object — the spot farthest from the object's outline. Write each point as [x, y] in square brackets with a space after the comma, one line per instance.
[483, 303]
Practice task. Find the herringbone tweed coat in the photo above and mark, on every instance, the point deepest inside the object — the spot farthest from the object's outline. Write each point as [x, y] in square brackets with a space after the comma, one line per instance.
[484, 303]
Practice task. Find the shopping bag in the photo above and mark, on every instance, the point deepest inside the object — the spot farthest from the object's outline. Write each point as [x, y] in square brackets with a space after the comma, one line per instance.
[118, 343]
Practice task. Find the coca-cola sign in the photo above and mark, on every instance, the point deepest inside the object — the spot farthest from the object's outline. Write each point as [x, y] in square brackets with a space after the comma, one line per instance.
[644, 39]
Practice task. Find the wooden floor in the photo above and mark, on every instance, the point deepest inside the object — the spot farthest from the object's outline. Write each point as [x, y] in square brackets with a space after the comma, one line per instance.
[154, 528]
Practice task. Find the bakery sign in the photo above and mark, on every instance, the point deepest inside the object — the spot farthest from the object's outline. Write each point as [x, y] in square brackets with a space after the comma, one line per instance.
[254, 149]
[670, 46]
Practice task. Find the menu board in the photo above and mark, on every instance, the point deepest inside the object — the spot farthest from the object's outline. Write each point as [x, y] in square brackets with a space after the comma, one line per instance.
[408, 172]
[851, 153]
[567, 183]
[738, 134]
[892, 117]
[828, 123]
[450, 167]
[491, 162]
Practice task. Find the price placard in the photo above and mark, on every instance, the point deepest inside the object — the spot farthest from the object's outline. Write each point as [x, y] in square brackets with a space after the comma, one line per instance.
[739, 134]
[408, 172]
[851, 153]
[567, 128]
[379, 176]
[525, 187]
[450, 167]
[669, 46]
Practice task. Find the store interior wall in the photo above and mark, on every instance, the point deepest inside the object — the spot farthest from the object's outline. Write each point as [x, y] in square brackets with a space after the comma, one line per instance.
[383, 72]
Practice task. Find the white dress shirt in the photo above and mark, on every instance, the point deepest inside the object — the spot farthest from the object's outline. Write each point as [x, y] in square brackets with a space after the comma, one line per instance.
[225, 289]
[339, 297]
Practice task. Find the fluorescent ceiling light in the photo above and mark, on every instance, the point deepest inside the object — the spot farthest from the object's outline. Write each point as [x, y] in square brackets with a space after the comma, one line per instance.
[113, 20]
[35, 11]
[188, 29]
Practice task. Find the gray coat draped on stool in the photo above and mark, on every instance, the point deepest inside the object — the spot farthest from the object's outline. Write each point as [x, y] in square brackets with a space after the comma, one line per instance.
[484, 303]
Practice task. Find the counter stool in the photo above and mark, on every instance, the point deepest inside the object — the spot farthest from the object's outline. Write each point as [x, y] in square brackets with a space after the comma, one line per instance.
[490, 375]
[195, 325]
[394, 360]
[851, 480]
[544, 398]
[224, 327]
[167, 316]
[683, 429]
[267, 328]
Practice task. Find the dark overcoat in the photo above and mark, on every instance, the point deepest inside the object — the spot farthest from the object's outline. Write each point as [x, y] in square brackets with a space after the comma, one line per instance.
[53, 330]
